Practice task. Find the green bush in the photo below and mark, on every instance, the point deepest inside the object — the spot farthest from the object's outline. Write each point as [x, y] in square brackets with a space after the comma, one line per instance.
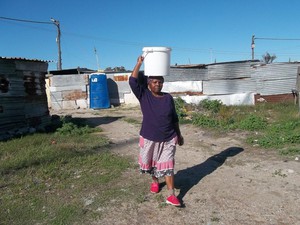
[71, 129]
[71, 126]
[204, 121]
[211, 105]
[180, 108]
[252, 123]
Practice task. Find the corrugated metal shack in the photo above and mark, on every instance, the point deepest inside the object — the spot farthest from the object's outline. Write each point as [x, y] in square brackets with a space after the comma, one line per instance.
[23, 100]
[234, 83]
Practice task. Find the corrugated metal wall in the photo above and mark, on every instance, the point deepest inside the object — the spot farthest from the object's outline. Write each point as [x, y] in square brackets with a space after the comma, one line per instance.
[23, 100]
[232, 82]
[266, 80]
[184, 74]
[234, 70]
[275, 78]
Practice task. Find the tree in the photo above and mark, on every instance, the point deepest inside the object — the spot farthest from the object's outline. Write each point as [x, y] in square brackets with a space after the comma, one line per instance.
[116, 69]
[108, 69]
[267, 58]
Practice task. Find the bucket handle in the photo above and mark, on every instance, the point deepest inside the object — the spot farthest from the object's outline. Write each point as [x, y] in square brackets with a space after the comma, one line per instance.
[145, 53]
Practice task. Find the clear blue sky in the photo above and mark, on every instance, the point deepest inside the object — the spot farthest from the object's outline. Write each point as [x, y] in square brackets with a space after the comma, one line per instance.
[198, 31]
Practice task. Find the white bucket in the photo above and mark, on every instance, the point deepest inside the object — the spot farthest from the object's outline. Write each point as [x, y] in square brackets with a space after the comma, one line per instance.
[156, 61]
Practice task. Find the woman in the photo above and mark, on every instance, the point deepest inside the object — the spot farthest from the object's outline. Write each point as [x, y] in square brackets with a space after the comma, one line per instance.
[159, 133]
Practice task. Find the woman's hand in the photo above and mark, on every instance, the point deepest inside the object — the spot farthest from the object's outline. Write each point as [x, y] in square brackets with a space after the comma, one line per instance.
[180, 140]
[140, 60]
[135, 72]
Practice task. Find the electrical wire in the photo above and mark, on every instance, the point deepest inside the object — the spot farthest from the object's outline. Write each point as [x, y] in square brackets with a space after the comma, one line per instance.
[26, 21]
[122, 42]
[278, 39]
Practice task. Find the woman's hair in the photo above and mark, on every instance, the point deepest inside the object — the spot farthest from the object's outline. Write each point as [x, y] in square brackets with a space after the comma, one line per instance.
[155, 77]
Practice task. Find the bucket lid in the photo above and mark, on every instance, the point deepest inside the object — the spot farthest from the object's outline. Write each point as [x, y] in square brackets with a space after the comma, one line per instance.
[156, 49]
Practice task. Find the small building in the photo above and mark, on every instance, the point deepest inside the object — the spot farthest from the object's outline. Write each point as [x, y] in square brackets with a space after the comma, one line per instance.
[23, 99]
[68, 89]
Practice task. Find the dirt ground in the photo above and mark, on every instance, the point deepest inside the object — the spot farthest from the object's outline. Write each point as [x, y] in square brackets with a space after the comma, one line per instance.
[219, 178]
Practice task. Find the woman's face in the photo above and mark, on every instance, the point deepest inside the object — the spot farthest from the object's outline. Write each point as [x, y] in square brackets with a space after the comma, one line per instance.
[156, 84]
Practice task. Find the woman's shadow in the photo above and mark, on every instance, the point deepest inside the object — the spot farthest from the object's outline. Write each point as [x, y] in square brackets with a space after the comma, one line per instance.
[187, 178]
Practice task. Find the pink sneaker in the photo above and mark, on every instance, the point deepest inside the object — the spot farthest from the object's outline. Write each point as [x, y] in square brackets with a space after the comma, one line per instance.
[154, 187]
[173, 200]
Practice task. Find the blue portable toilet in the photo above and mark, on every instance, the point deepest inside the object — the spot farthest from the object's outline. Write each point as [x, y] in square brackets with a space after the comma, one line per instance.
[99, 97]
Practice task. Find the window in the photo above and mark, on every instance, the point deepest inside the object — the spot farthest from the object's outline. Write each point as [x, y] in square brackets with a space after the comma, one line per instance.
[30, 85]
[4, 84]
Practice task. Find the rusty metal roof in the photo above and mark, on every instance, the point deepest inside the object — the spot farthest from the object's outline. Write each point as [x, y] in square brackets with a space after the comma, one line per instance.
[189, 66]
[77, 70]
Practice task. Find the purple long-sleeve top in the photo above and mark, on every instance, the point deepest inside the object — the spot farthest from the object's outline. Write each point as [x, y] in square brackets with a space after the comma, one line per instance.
[159, 113]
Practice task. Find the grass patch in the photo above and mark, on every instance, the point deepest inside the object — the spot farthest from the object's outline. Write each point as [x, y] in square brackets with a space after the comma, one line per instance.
[132, 121]
[269, 125]
[59, 178]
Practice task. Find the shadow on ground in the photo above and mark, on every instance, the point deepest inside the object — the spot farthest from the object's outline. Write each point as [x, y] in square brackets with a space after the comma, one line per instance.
[97, 121]
[187, 178]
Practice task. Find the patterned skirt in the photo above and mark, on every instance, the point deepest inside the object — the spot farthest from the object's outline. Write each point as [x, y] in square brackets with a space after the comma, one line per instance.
[157, 158]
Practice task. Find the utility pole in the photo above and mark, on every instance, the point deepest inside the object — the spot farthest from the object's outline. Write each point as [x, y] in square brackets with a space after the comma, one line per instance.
[271, 39]
[253, 46]
[97, 59]
[297, 99]
[56, 23]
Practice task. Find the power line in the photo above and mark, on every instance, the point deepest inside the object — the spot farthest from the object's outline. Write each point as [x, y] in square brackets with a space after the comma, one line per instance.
[278, 39]
[55, 22]
[267, 38]
[26, 21]
[122, 42]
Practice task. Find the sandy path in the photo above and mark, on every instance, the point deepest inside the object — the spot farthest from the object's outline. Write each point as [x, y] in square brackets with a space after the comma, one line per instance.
[219, 179]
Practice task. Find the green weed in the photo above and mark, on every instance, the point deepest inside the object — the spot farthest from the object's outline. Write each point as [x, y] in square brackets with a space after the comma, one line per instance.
[132, 121]
[180, 108]
[253, 123]
[279, 173]
[290, 151]
[205, 121]
[213, 106]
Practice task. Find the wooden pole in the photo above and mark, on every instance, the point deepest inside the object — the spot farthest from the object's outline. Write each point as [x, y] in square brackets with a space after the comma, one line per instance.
[57, 24]
[298, 86]
[253, 46]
